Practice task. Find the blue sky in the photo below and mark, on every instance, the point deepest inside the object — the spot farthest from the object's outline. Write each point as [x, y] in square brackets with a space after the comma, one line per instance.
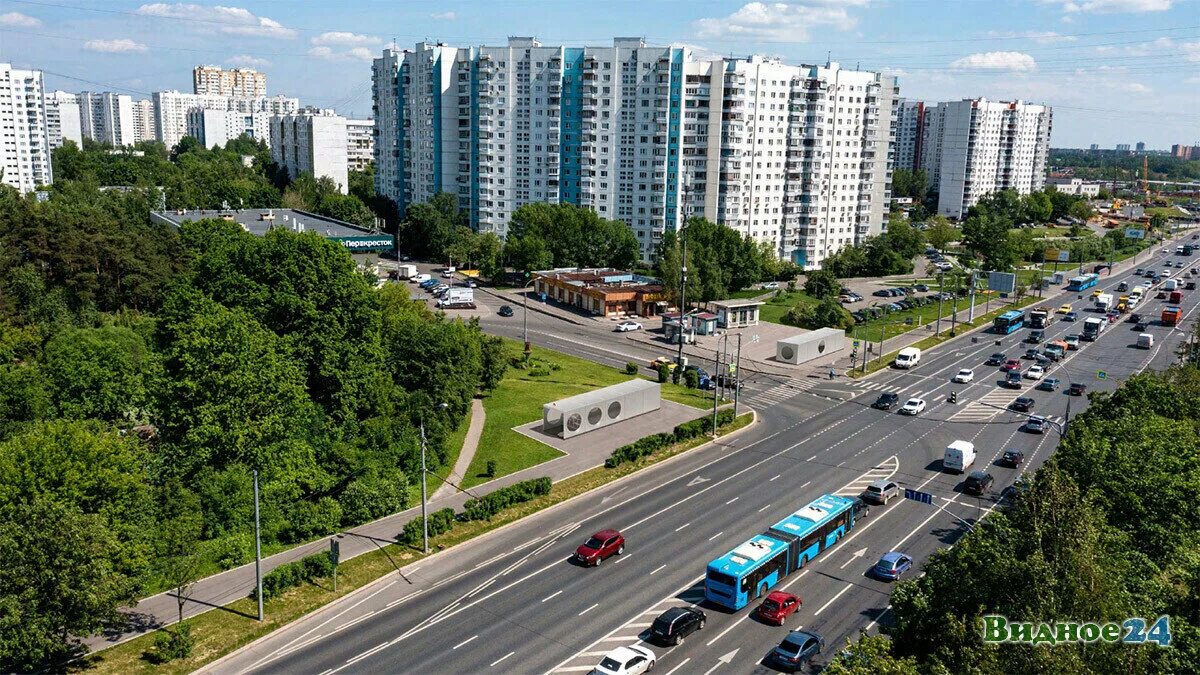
[1116, 71]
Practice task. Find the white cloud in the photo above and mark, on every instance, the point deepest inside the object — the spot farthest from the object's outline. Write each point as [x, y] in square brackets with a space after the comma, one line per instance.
[229, 20]
[444, 16]
[781, 21]
[353, 54]
[247, 61]
[698, 51]
[1113, 6]
[119, 46]
[19, 20]
[344, 38]
[996, 61]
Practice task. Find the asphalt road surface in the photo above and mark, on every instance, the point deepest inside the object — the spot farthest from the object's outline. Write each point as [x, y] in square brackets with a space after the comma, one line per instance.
[513, 601]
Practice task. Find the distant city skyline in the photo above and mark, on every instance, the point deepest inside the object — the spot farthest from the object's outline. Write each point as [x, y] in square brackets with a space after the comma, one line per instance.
[1106, 66]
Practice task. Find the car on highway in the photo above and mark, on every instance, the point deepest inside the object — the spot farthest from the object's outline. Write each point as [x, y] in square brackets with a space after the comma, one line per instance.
[1012, 458]
[1139, 271]
[891, 565]
[1113, 315]
[1035, 336]
[663, 360]
[1178, 265]
[1077, 389]
[1035, 373]
[1072, 341]
[1063, 309]
[1010, 365]
[1049, 384]
[1070, 316]
[996, 359]
[1012, 379]
[777, 607]
[1036, 424]
[626, 326]
[1022, 404]
[913, 406]
[886, 401]
[1140, 326]
[978, 482]
[505, 310]
[881, 491]
[603, 544]
[1030, 353]
[675, 624]
[797, 649]
[964, 376]
[629, 660]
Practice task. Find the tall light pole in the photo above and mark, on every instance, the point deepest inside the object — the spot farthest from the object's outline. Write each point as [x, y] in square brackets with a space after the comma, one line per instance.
[686, 208]
[424, 496]
[257, 551]
[525, 319]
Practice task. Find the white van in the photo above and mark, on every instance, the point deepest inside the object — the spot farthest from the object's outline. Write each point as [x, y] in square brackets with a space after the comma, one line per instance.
[1145, 341]
[419, 278]
[908, 357]
[960, 455]
[1171, 285]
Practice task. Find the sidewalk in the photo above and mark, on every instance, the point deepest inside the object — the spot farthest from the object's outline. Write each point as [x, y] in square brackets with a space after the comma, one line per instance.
[470, 444]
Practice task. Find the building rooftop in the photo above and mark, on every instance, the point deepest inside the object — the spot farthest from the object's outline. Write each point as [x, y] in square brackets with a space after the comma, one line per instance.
[260, 221]
[603, 395]
[602, 279]
[729, 304]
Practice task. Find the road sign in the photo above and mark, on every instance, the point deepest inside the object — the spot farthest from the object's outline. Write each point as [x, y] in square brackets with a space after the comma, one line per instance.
[923, 497]
[335, 551]
[1101, 375]
[1003, 282]
[856, 344]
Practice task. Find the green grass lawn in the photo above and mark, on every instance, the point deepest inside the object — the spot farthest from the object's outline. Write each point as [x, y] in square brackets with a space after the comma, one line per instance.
[895, 323]
[522, 393]
[1040, 232]
[749, 293]
[778, 306]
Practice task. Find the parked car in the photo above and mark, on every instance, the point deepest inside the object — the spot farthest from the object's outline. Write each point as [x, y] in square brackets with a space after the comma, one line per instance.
[978, 482]
[675, 624]
[505, 311]
[777, 607]
[603, 544]
[1049, 384]
[661, 360]
[1077, 389]
[891, 565]
[1022, 404]
[797, 649]
[626, 326]
[630, 660]
[886, 401]
[913, 406]
[881, 491]
[997, 359]
[882, 293]
[964, 376]
[1036, 425]
[923, 288]
[1012, 458]
[771, 286]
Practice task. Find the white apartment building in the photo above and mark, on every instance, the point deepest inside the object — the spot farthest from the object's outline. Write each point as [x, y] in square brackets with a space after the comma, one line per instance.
[797, 156]
[171, 110]
[24, 141]
[312, 142]
[974, 147]
[216, 128]
[360, 144]
[107, 117]
[910, 121]
[235, 82]
[62, 119]
[145, 123]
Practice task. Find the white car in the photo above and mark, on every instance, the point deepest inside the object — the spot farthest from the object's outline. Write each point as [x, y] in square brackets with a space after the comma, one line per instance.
[964, 376]
[626, 326]
[1035, 373]
[913, 406]
[631, 660]
[771, 285]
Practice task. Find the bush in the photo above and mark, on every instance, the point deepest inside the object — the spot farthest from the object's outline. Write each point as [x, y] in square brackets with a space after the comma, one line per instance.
[440, 522]
[690, 379]
[233, 550]
[372, 495]
[289, 575]
[664, 373]
[172, 643]
[491, 504]
[649, 445]
[490, 468]
[631, 368]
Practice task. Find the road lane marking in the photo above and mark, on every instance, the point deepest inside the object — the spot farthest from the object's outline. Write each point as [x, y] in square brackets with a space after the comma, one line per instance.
[831, 600]
[558, 592]
[493, 663]
[365, 654]
[764, 508]
[658, 569]
[811, 458]
[682, 526]
[681, 664]
[775, 478]
[464, 642]
[876, 619]
[731, 501]
[621, 558]
[805, 485]
[716, 535]
[722, 633]
[588, 609]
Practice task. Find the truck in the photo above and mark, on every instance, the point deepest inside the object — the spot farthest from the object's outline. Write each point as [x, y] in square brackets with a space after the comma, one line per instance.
[1171, 316]
[1145, 341]
[1175, 297]
[1056, 349]
[959, 456]
[405, 271]
[1092, 328]
[1104, 302]
[1040, 317]
[458, 298]
[1170, 284]
[908, 357]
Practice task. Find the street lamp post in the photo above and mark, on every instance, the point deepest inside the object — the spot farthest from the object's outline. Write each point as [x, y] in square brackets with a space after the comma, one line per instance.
[682, 274]
[424, 495]
[525, 319]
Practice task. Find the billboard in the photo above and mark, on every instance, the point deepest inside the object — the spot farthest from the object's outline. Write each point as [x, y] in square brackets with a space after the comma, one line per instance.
[1002, 282]
[360, 244]
[1134, 233]
[1057, 255]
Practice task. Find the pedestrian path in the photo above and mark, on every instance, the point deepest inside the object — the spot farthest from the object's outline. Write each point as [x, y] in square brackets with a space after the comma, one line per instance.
[467, 453]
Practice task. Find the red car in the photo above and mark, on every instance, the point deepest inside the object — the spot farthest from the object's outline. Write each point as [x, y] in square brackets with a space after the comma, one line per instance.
[1011, 364]
[603, 544]
[778, 607]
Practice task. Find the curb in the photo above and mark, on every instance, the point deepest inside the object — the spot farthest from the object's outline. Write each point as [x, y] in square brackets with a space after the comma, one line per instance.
[534, 307]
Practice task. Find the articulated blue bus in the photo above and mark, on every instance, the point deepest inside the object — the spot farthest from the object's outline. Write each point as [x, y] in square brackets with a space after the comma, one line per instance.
[1082, 282]
[753, 568]
[1008, 322]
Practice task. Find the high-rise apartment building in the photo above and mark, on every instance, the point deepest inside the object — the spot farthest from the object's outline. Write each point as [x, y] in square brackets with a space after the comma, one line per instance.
[236, 82]
[797, 156]
[313, 142]
[973, 147]
[145, 123]
[1186, 151]
[107, 117]
[1123, 147]
[1140, 147]
[24, 141]
[910, 121]
[360, 144]
[62, 119]
[171, 110]
[217, 127]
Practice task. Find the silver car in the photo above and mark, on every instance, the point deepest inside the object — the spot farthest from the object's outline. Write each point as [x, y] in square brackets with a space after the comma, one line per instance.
[881, 491]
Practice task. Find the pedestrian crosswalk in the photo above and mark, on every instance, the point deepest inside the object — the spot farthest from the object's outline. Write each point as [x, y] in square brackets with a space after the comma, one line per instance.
[886, 469]
[784, 391]
[880, 387]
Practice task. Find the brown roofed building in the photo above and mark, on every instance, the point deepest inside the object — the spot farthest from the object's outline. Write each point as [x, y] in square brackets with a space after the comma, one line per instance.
[602, 291]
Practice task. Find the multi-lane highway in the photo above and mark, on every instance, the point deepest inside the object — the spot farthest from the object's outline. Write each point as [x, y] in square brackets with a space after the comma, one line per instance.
[513, 601]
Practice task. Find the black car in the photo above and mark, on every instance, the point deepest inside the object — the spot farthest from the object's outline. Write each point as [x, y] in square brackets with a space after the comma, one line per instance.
[1035, 336]
[978, 482]
[1134, 318]
[886, 401]
[881, 293]
[797, 649]
[1023, 404]
[1030, 354]
[1012, 458]
[729, 381]
[921, 288]
[505, 310]
[673, 625]
[1140, 326]
[1077, 389]
[997, 359]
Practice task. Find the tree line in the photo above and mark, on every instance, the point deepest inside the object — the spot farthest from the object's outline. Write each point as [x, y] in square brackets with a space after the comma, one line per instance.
[1107, 529]
[145, 373]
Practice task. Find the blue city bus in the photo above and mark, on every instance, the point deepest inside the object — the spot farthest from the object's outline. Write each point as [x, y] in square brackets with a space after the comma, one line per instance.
[1082, 282]
[1008, 322]
[753, 568]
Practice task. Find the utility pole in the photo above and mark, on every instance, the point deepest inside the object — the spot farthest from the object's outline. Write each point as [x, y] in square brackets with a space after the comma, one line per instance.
[737, 376]
[682, 276]
[941, 290]
[716, 389]
[971, 300]
[424, 501]
[257, 551]
[954, 305]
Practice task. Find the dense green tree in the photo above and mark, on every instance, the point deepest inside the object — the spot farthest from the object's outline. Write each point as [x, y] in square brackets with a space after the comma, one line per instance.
[870, 655]
[98, 373]
[528, 254]
[987, 236]
[719, 261]
[1036, 208]
[904, 239]
[940, 233]
[177, 540]
[576, 236]
[821, 284]
[909, 183]
[431, 227]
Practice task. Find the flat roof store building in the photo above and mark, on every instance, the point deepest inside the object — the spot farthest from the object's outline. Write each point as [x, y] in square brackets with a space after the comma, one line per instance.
[602, 291]
[260, 221]
[736, 313]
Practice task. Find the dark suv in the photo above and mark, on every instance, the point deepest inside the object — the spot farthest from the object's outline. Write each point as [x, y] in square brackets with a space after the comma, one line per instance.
[886, 401]
[978, 483]
[673, 625]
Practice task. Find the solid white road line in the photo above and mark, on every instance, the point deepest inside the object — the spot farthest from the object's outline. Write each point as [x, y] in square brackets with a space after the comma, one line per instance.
[775, 478]
[558, 592]
[464, 642]
[722, 633]
[367, 653]
[805, 485]
[831, 600]
[681, 664]
[493, 664]
[716, 535]
[682, 526]
[811, 458]
[658, 569]
[876, 619]
[588, 609]
[731, 501]
[622, 557]
[764, 508]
